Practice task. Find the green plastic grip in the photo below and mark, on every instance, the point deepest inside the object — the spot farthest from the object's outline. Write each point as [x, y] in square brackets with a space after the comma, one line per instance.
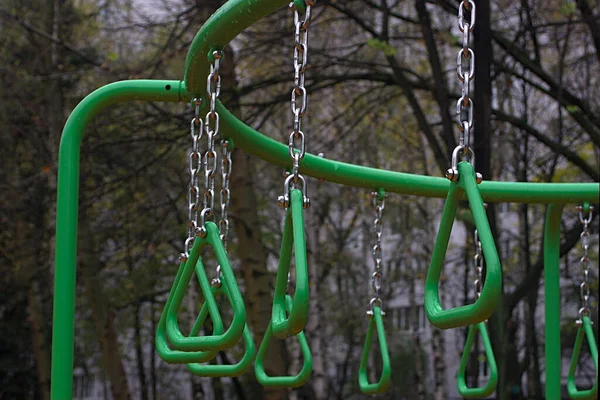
[490, 387]
[375, 324]
[484, 306]
[229, 370]
[586, 331]
[194, 263]
[183, 357]
[283, 381]
[282, 324]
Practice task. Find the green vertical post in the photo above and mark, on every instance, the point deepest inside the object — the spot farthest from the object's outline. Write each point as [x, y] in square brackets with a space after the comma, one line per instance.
[552, 300]
[63, 318]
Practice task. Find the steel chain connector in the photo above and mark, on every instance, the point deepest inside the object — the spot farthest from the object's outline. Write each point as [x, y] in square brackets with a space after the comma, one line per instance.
[584, 262]
[211, 126]
[194, 167]
[464, 105]
[298, 103]
[378, 205]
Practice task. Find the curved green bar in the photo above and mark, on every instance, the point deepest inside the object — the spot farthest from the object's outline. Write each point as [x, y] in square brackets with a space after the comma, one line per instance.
[375, 324]
[63, 322]
[224, 25]
[485, 305]
[257, 144]
[217, 371]
[490, 387]
[183, 357]
[236, 15]
[283, 381]
[282, 324]
[585, 331]
[194, 263]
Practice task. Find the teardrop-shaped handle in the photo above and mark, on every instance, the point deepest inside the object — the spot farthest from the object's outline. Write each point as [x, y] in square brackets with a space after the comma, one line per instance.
[585, 331]
[490, 386]
[229, 370]
[485, 305]
[162, 344]
[286, 323]
[375, 326]
[283, 381]
[194, 264]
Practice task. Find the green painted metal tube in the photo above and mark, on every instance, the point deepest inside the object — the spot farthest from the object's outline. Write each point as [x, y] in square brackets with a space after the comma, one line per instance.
[66, 215]
[552, 300]
[276, 153]
[236, 15]
[224, 25]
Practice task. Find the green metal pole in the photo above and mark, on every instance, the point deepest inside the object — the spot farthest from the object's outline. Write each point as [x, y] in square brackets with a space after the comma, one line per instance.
[552, 300]
[66, 216]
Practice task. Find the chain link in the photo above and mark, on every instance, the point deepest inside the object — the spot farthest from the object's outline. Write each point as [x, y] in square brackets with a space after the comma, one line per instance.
[211, 126]
[464, 106]
[465, 70]
[584, 261]
[478, 261]
[379, 205]
[298, 103]
[194, 167]
[225, 193]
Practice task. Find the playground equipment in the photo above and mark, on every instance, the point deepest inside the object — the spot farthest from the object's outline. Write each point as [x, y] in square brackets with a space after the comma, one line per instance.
[290, 314]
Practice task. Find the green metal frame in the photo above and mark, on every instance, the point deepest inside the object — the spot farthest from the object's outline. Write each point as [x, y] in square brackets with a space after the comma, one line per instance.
[220, 29]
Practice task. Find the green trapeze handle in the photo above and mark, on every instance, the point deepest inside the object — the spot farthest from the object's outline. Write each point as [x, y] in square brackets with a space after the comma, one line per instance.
[375, 323]
[490, 387]
[194, 263]
[284, 326]
[484, 306]
[283, 381]
[216, 371]
[183, 357]
[584, 330]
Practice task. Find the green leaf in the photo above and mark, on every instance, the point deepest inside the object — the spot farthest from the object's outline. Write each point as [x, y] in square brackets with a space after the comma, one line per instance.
[387, 49]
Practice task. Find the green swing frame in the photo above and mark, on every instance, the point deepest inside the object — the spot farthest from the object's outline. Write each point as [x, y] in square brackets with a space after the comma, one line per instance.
[217, 32]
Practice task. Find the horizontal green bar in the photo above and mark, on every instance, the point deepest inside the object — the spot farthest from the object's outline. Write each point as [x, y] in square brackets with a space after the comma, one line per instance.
[276, 153]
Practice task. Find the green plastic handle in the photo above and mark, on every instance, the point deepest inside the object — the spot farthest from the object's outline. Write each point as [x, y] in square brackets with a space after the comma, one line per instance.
[375, 324]
[585, 331]
[283, 381]
[194, 263]
[237, 369]
[484, 306]
[490, 387]
[183, 357]
[284, 326]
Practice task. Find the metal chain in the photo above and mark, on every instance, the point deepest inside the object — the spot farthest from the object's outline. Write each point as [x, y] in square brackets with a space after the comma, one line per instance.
[299, 104]
[379, 205]
[211, 125]
[195, 166]
[478, 259]
[225, 193]
[464, 105]
[584, 288]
